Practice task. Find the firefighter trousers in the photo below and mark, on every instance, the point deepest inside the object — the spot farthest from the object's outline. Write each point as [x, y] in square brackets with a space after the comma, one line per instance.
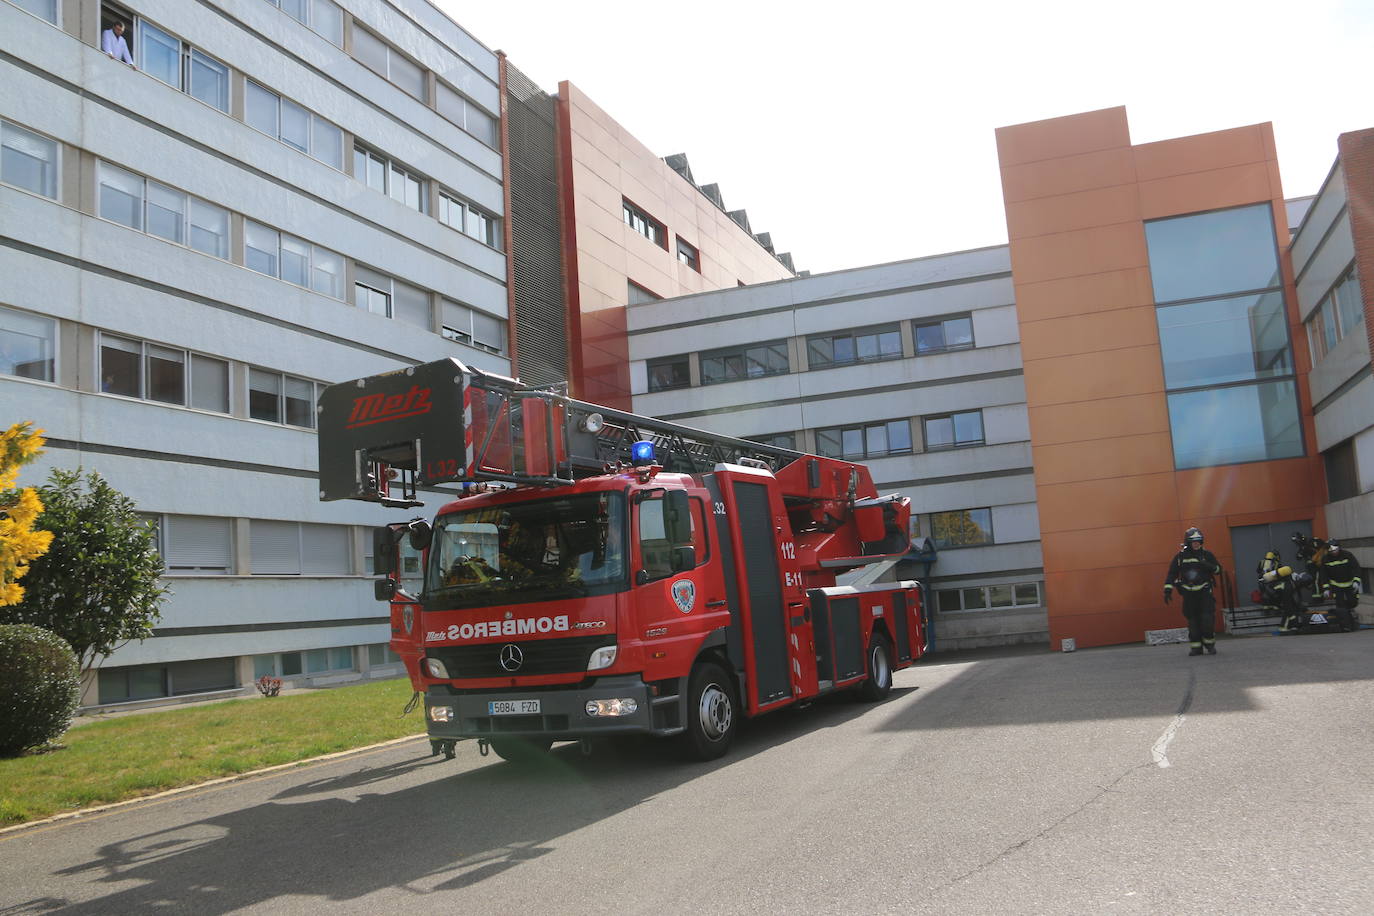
[1199, 609]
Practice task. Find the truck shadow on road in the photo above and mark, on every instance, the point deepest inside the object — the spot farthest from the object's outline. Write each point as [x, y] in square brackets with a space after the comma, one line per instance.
[412, 824]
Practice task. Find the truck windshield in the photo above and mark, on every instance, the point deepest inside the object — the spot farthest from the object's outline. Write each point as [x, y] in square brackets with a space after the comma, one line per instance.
[540, 550]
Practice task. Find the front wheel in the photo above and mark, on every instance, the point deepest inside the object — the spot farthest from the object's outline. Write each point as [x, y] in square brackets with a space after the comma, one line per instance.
[879, 683]
[520, 750]
[712, 716]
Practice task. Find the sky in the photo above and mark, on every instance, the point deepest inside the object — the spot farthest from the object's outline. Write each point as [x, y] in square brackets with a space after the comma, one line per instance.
[863, 132]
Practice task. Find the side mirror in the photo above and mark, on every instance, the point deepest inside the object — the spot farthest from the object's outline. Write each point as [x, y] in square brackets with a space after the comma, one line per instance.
[678, 517]
[642, 577]
[383, 551]
[384, 589]
[421, 534]
[683, 558]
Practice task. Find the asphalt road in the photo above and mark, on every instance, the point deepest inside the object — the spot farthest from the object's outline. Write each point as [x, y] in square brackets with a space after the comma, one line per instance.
[1124, 780]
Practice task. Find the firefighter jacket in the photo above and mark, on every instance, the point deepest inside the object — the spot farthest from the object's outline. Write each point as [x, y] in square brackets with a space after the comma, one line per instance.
[1192, 570]
[1340, 571]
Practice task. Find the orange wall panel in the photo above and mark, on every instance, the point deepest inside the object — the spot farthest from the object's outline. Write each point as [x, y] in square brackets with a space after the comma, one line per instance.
[1098, 419]
[1083, 294]
[1112, 507]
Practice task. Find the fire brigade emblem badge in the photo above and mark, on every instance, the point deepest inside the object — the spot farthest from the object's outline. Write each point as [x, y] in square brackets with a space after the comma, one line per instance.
[684, 595]
[408, 617]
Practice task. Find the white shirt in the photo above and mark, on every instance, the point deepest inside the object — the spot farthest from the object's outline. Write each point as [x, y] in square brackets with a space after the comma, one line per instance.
[115, 46]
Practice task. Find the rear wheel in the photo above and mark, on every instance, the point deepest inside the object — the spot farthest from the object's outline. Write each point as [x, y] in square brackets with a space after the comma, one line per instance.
[879, 683]
[712, 714]
[520, 750]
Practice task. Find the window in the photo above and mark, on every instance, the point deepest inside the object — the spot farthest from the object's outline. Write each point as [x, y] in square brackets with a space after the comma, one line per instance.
[955, 430]
[472, 327]
[381, 295]
[279, 398]
[1228, 366]
[688, 255]
[381, 174]
[1342, 471]
[984, 597]
[380, 653]
[1340, 312]
[777, 440]
[961, 528]
[176, 63]
[644, 224]
[669, 372]
[389, 63]
[296, 548]
[469, 220]
[28, 345]
[141, 203]
[291, 259]
[943, 336]
[138, 369]
[737, 363]
[846, 347]
[293, 125]
[321, 16]
[872, 440]
[196, 545]
[1212, 254]
[28, 160]
[638, 295]
[142, 682]
[44, 9]
[465, 113]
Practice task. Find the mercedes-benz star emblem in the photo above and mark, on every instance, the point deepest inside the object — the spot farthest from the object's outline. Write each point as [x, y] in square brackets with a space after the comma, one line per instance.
[511, 657]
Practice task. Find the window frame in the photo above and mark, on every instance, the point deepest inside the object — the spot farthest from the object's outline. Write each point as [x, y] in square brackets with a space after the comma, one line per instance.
[945, 347]
[186, 58]
[309, 7]
[987, 602]
[300, 531]
[641, 223]
[877, 332]
[52, 171]
[56, 12]
[954, 430]
[865, 431]
[390, 168]
[51, 342]
[282, 412]
[165, 545]
[990, 540]
[449, 329]
[468, 106]
[316, 253]
[688, 254]
[449, 201]
[1327, 326]
[743, 353]
[312, 119]
[145, 372]
[186, 224]
[683, 360]
[392, 55]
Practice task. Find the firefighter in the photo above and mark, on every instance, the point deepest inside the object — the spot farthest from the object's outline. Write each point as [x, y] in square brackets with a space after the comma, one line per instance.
[1192, 570]
[1339, 575]
[1278, 592]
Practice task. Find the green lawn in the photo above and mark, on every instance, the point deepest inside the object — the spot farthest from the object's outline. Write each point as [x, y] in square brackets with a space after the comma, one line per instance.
[141, 754]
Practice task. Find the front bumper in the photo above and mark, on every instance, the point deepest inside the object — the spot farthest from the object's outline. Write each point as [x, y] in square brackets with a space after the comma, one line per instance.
[562, 714]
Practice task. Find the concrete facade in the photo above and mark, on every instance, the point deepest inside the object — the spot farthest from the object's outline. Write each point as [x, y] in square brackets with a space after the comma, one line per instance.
[130, 334]
[913, 385]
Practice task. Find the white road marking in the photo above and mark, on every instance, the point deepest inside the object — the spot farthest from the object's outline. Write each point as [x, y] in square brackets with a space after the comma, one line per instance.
[1158, 752]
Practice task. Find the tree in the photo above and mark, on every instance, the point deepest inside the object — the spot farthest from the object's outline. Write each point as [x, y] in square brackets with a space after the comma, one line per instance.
[20, 544]
[99, 585]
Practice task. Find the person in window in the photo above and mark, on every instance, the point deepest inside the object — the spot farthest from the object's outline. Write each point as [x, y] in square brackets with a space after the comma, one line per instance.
[1193, 569]
[113, 44]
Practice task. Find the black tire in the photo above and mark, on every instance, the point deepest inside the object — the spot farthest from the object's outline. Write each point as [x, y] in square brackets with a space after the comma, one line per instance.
[879, 683]
[712, 713]
[521, 750]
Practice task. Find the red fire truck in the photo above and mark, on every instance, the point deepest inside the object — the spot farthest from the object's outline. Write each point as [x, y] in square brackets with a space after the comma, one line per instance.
[599, 573]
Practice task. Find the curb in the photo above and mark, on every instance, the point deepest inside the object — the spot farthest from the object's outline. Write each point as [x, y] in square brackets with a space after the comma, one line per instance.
[181, 790]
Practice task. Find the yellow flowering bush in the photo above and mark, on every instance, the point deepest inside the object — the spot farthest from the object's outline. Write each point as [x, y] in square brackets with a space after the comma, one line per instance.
[19, 542]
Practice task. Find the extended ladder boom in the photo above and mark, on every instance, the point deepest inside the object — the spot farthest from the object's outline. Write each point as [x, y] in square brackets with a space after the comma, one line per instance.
[383, 436]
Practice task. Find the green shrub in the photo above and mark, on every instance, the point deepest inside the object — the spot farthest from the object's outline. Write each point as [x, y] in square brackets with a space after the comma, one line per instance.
[40, 686]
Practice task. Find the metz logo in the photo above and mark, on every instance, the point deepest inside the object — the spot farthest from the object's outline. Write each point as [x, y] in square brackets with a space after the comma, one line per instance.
[379, 408]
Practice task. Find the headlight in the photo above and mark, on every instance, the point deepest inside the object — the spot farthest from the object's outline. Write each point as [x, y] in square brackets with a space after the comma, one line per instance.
[441, 714]
[601, 658]
[620, 706]
[436, 668]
